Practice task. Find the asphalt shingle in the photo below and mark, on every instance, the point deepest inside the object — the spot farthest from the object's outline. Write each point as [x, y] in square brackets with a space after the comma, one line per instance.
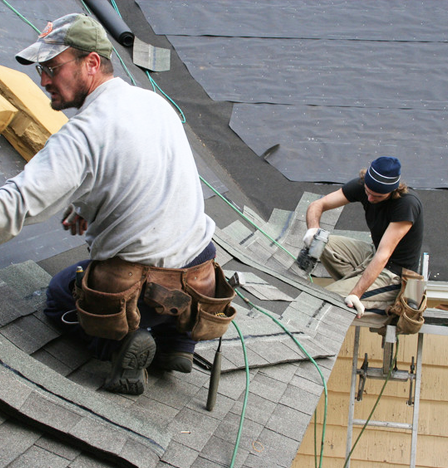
[36, 456]
[16, 440]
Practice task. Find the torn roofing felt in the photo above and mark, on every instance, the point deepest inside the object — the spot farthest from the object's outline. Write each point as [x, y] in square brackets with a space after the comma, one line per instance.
[340, 85]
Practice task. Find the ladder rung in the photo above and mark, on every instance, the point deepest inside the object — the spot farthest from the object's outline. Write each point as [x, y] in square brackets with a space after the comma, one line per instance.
[396, 425]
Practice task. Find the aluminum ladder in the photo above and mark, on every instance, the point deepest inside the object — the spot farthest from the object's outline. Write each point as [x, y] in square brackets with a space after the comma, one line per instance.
[365, 372]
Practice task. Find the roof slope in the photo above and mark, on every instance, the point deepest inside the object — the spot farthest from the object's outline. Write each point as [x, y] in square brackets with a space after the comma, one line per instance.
[53, 411]
[51, 389]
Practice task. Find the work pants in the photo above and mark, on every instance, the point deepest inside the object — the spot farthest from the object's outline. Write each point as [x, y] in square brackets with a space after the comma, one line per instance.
[345, 259]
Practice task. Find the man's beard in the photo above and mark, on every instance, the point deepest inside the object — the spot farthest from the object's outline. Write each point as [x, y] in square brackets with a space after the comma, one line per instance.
[80, 95]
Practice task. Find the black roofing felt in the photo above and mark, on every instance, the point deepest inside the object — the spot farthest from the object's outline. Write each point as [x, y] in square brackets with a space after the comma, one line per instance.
[263, 185]
[344, 82]
[53, 411]
[308, 134]
[301, 19]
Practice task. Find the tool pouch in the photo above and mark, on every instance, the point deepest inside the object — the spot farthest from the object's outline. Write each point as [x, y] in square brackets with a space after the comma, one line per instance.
[408, 320]
[107, 299]
[210, 315]
[163, 290]
[199, 297]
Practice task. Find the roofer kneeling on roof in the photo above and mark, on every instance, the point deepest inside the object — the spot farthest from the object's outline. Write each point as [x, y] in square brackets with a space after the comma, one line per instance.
[124, 167]
[369, 275]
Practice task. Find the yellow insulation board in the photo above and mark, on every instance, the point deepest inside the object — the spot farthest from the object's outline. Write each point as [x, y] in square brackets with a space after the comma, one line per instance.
[29, 120]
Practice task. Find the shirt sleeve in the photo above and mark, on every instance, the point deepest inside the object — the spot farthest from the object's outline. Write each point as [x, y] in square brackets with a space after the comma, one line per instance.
[407, 208]
[353, 190]
[47, 185]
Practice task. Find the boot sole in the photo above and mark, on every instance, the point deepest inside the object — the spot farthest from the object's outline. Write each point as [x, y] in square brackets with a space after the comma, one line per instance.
[128, 375]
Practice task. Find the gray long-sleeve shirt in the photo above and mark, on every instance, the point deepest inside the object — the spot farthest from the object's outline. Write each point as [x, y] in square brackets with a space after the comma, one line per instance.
[125, 162]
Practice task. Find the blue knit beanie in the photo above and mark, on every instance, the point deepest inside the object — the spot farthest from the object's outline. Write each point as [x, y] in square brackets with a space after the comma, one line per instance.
[383, 175]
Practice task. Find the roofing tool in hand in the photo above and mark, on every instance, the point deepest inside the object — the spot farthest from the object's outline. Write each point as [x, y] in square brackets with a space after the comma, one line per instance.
[74, 222]
[69, 216]
[309, 256]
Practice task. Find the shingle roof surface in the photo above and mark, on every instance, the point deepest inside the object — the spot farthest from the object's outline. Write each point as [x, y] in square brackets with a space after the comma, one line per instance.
[53, 387]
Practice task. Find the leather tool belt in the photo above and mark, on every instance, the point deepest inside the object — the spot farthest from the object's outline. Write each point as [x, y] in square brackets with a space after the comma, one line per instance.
[407, 319]
[199, 297]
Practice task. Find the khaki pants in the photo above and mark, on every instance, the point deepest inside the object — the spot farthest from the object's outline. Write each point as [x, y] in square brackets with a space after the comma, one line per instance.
[346, 259]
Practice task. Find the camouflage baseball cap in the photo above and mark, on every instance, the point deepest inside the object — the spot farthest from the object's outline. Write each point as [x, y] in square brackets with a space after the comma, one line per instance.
[74, 30]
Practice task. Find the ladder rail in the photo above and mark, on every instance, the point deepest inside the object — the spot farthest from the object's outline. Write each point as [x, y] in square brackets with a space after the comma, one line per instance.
[418, 379]
[351, 408]
[413, 427]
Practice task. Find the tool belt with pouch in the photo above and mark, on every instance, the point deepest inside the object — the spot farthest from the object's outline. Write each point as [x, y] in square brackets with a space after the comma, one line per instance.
[199, 297]
[407, 315]
[107, 299]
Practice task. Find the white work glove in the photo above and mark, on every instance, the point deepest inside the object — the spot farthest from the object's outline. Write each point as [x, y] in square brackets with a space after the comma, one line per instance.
[353, 301]
[309, 236]
[73, 222]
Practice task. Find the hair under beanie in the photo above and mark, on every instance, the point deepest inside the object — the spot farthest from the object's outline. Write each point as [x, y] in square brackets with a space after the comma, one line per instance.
[383, 175]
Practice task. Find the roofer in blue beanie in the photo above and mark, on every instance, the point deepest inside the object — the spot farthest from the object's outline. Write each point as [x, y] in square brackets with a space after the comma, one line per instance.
[368, 275]
[124, 168]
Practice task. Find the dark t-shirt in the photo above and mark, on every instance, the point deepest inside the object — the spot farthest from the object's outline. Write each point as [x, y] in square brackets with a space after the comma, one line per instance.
[378, 216]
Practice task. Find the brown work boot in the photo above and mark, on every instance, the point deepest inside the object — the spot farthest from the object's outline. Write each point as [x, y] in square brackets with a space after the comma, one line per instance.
[175, 361]
[129, 363]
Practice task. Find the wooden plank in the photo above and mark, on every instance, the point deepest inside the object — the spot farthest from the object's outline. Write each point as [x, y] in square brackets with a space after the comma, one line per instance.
[34, 121]
[7, 113]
